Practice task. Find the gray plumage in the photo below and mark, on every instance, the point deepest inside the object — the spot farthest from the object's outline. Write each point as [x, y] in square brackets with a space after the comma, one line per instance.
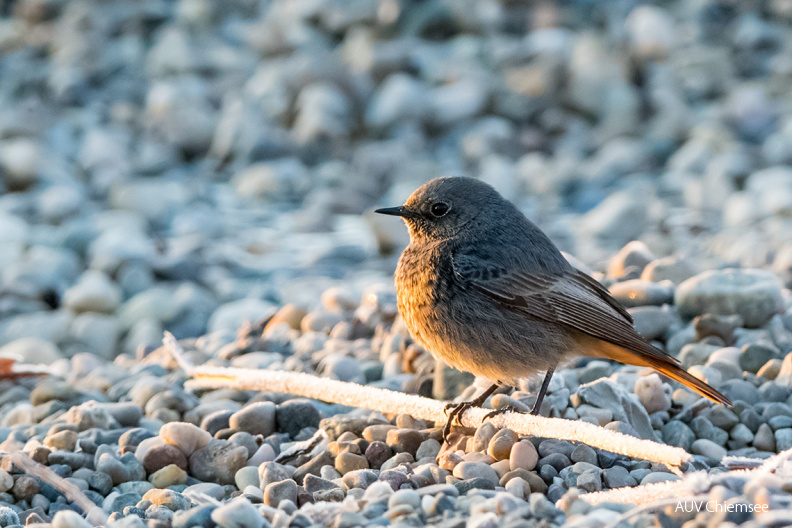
[485, 290]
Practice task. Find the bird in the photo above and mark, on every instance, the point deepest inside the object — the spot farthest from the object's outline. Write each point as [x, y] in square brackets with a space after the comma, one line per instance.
[485, 290]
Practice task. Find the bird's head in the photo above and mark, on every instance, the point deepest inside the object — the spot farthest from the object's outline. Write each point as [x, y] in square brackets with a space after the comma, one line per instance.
[443, 207]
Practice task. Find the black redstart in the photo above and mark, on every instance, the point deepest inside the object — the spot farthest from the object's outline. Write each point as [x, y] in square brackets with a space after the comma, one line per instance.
[486, 291]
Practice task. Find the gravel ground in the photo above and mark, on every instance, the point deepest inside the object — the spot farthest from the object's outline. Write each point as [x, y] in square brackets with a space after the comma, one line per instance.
[210, 169]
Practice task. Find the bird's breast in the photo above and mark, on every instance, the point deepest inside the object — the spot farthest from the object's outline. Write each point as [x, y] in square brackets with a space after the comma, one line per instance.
[422, 288]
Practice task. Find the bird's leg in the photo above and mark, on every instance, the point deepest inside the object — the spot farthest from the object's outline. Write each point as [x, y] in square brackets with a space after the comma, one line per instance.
[537, 404]
[537, 408]
[458, 409]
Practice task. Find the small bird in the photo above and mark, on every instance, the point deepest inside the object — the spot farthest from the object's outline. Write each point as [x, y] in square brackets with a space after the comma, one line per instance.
[486, 291]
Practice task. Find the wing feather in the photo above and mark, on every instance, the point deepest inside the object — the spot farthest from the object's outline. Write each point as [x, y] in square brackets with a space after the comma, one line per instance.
[571, 298]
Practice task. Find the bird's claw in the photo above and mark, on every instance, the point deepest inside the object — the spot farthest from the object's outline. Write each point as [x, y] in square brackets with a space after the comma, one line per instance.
[454, 411]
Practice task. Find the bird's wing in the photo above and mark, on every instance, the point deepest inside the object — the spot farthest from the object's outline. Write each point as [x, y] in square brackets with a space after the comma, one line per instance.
[570, 298]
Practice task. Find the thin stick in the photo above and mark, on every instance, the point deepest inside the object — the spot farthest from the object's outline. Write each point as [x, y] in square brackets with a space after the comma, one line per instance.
[93, 513]
[691, 488]
[387, 401]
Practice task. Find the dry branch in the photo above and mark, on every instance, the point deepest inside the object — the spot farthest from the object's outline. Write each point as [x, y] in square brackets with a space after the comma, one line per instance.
[387, 401]
[94, 513]
[693, 487]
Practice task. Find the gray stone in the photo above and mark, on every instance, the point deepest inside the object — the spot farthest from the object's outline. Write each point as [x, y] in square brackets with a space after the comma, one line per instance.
[218, 462]
[707, 448]
[472, 470]
[606, 394]
[276, 492]
[617, 477]
[238, 513]
[636, 292]
[255, 418]
[678, 434]
[294, 415]
[751, 293]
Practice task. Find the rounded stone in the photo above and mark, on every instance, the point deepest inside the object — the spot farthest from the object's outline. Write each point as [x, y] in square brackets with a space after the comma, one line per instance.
[238, 513]
[66, 440]
[753, 294]
[294, 415]
[170, 499]
[346, 462]
[500, 446]
[218, 462]
[474, 470]
[185, 436]
[708, 448]
[276, 492]
[255, 418]
[161, 456]
[523, 456]
[171, 475]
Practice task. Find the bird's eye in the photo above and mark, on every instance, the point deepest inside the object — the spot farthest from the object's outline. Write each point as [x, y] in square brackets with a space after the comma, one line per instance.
[439, 209]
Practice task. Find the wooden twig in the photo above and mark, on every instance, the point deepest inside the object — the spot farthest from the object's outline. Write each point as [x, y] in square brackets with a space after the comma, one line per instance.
[93, 513]
[692, 487]
[387, 401]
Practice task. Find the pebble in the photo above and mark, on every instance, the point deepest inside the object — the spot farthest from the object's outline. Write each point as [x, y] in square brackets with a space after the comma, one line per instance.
[753, 294]
[256, 418]
[346, 462]
[238, 513]
[294, 415]
[476, 470]
[187, 437]
[523, 455]
[651, 393]
[501, 444]
[708, 448]
[276, 492]
[170, 499]
[160, 456]
[218, 462]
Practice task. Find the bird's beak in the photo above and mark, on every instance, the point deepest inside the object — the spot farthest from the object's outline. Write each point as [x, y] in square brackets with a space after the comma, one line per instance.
[396, 211]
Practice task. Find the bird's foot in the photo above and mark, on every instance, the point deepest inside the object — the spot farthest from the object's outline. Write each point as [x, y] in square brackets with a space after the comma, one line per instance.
[502, 410]
[454, 411]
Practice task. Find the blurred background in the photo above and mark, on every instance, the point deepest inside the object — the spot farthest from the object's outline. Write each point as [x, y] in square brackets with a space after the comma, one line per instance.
[188, 165]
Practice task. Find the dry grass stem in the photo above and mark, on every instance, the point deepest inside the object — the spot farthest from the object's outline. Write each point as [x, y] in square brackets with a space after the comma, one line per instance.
[387, 401]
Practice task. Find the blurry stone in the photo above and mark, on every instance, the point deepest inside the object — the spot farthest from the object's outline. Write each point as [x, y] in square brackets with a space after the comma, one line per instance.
[285, 179]
[616, 220]
[449, 382]
[19, 162]
[398, 98]
[753, 294]
[672, 269]
[754, 356]
[182, 111]
[218, 462]
[94, 292]
[255, 418]
[652, 32]
[32, 350]
[652, 322]
[456, 101]
[637, 292]
[651, 393]
[720, 326]
[233, 314]
[323, 111]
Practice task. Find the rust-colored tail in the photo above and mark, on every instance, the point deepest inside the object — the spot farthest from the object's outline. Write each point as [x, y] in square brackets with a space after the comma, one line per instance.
[650, 356]
[687, 379]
